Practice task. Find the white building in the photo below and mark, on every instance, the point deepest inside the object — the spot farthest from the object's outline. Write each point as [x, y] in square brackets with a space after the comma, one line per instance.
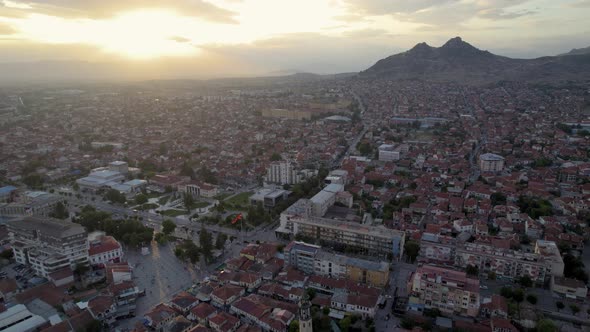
[119, 166]
[325, 198]
[282, 173]
[387, 152]
[100, 179]
[103, 249]
[48, 245]
[489, 162]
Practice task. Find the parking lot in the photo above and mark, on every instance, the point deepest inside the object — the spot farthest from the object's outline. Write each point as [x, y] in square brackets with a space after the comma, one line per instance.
[24, 275]
[161, 274]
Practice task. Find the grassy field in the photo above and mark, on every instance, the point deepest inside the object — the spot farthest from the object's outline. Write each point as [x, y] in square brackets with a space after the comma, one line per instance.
[198, 205]
[239, 200]
[147, 206]
[173, 213]
[221, 197]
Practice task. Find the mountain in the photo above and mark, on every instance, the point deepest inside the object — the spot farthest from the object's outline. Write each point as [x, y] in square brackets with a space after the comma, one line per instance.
[578, 51]
[458, 60]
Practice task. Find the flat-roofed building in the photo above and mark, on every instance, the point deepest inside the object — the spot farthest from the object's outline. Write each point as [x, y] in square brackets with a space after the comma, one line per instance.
[32, 203]
[48, 245]
[282, 172]
[301, 256]
[298, 220]
[387, 152]
[268, 197]
[450, 291]
[489, 162]
[325, 198]
[19, 319]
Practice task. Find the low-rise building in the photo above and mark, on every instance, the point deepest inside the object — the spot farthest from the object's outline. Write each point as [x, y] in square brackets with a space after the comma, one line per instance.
[103, 249]
[569, 288]
[450, 291]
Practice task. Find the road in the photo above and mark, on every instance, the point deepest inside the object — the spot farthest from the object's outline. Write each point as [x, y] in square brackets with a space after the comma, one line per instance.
[352, 146]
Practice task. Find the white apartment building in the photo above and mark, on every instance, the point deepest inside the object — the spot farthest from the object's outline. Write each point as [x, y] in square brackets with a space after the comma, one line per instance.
[489, 162]
[48, 245]
[282, 173]
[388, 152]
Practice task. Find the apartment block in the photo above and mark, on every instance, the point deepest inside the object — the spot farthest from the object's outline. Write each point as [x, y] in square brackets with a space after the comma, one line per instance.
[379, 241]
[48, 245]
[450, 291]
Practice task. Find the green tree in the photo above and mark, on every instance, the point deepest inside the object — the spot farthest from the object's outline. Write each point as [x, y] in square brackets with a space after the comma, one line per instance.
[506, 292]
[498, 199]
[531, 298]
[559, 305]
[115, 196]
[275, 157]
[206, 242]
[412, 249]
[525, 281]
[168, 226]
[546, 325]
[161, 238]
[310, 293]
[33, 181]
[492, 275]
[294, 326]
[94, 326]
[141, 199]
[188, 201]
[220, 241]
[60, 211]
[574, 308]
[472, 270]
[345, 323]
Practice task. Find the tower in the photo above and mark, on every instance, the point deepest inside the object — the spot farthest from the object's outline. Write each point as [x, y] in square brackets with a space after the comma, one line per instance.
[305, 323]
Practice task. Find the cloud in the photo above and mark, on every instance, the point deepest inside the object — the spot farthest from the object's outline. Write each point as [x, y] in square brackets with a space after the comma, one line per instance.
[180, 39]
[580, 4]
[97, 9]
[6, 29]
[440, 13]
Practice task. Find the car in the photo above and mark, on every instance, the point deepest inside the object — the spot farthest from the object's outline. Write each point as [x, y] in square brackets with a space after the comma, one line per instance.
[483, 287]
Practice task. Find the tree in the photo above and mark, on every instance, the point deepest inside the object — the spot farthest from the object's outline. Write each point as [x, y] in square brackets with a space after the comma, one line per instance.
[498, 199]
[546, 325]
[275, 157]
[220, 241]
[575, 309]
[161, 238]
[114, 196]
[345, 323]
[310, 293]
[472, 270]
[492, 275]
[506, 292]
[94, 326]
[412, 249]
[141, 199]
[168, 226]
[531, 298]
[188, 201]
[559, 305]
[525, 281]
[60, 211]
[326, 310]
[294, 326]
[206, 243]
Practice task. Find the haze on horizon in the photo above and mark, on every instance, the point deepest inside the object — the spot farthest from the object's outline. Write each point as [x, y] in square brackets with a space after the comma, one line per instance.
[139, 39]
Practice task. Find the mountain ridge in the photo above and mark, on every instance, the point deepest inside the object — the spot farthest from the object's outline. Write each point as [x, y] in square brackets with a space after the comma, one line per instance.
[457, 60]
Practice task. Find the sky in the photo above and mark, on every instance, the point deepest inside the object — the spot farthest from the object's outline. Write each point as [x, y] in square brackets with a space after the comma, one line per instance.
[217, 38]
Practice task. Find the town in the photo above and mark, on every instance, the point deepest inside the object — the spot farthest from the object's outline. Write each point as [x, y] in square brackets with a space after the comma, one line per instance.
[295, 204]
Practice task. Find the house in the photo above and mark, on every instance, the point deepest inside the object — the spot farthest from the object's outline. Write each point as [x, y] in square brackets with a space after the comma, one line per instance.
[495, 307]
[201, 313]
[502, 325]
[224, 322]
[225, 295]
[103, 308]
[178, 324]
[360, 304]
[569, 288]
[183, 302]
[61, 277]
[159, 317]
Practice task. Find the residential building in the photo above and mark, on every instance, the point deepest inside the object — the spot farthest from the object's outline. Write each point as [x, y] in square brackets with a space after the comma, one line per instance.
[550, 252]
[325, 198]
[387, 152]
[452, 292]
[48, 245]
[103, 249]
[301, 256]
[282, 172]
[32, 203]
[489, 162]
[298, 220]
[569, 288]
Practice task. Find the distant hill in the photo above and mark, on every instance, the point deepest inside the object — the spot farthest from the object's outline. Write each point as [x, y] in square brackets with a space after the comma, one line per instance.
[457, 60]
[578, 51]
